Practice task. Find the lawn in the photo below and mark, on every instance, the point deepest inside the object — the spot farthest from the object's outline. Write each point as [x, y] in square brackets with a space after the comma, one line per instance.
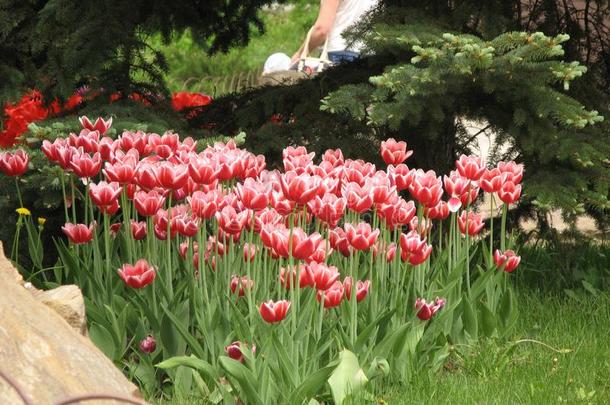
[560, 353]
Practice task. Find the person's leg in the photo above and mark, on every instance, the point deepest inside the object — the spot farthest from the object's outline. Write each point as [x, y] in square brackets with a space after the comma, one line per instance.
[337, 57]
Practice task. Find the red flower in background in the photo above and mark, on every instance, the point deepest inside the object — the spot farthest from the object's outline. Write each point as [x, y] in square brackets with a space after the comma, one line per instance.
[31, 108]
[185, 99]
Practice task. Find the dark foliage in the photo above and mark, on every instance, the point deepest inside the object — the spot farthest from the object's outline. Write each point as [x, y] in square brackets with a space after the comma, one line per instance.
[59, 45]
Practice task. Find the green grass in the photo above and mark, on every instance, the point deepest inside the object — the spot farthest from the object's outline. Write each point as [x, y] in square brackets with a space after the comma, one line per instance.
[569, 362]
[190, 67]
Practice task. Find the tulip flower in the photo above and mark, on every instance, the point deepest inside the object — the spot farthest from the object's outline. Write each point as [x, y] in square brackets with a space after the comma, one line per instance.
[100, 125]
[205, 205]
[511, 171]
[338, 241]
[471, 167]
[300, 188]
[426, 310]
[202, 170]
[509, 193]
[84, 165]
[456, 184]
[358, 198]
[426, 188]
[138, 229]
[332, 296]
[507, 261]
[298, 163]
[394, 153]
[413, 248]
[14, 164]
[380, 188]
[397, 214]
[234, 351]
[357, 171]
[172, 177]
[469, 196]
[273, 312]
[104, 194]
[249, 252]
[253, 194]
[239, 285]
[362, 289]
[146, 175]
[390, 252]
[295, 242]
[231, 221]
[324, 276]
[87, 141]
[401, 176]
[133, 140]
[148, 203]
[440, 211]
[334, 157]
[185, 225]
[122, 171]
[78, 233]
[139, 275]
[148, 344]
[328, 209]
[472, 220]
[491, 181]
[306, 276]
[361, 236]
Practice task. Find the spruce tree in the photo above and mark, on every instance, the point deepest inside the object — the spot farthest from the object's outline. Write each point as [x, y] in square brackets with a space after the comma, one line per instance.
[429, 65]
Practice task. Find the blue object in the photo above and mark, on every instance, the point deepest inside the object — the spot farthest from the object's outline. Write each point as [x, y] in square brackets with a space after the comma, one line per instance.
[337, 57]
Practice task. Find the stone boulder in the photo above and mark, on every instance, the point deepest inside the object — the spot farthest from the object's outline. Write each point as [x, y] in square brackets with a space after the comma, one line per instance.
[45, 355]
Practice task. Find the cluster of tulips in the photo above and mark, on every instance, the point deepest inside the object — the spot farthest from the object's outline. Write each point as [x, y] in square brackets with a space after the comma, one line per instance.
[211, 239]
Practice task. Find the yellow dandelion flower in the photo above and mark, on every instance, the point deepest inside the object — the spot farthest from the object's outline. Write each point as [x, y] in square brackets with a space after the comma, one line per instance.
[41, 221]
[23, 211]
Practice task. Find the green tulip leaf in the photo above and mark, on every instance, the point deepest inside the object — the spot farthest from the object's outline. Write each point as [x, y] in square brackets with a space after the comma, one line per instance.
[348, 378]
[469, 317]
[312, 385]
[244, 377]
[103, 340]
[189, 338]
[488, 320]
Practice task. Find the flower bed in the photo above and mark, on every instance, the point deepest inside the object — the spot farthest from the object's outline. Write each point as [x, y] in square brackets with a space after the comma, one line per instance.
[206, 273]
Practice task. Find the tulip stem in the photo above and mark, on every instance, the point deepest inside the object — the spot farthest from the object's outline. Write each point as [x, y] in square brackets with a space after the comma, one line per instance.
[491, 227]
[503, 227]
[168, 244]
[352, 301]
[73, 205]
[18, 191]
[249, 275]
[63, 193]
[107, 243]
[127, 224]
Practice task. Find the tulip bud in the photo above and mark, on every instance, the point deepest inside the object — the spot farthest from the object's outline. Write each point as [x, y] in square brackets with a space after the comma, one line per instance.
[148, 344]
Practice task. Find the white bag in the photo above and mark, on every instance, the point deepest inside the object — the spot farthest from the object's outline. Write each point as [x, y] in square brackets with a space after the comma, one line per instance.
[311, 65]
